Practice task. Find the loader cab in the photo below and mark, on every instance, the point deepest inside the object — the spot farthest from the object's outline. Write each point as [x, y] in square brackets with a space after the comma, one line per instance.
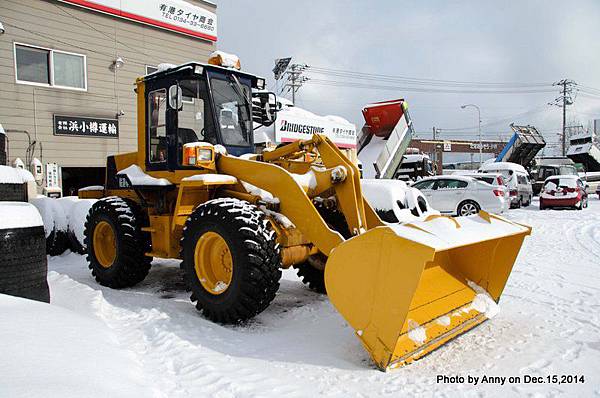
[197, 102]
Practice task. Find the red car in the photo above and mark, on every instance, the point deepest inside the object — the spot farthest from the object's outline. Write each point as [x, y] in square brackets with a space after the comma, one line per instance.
[563, 191]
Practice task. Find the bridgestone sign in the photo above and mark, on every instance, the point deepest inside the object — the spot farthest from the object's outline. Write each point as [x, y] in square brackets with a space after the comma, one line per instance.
[293, 128]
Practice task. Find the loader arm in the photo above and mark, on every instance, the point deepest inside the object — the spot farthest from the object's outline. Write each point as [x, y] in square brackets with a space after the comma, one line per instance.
[294, 202]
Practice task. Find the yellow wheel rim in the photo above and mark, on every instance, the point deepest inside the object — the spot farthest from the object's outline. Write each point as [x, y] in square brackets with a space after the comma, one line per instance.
[213, 263]
[105, 244]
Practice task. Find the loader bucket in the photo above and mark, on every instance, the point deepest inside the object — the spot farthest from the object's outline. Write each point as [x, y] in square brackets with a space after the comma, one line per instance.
[407, 289]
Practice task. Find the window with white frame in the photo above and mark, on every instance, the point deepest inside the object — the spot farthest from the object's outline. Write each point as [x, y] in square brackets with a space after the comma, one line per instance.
[48, 67]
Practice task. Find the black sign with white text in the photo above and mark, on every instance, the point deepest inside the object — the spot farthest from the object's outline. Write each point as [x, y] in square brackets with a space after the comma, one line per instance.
[86, 126]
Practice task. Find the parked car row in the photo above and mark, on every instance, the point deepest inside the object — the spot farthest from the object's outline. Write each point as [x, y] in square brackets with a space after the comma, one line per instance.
[498, 186]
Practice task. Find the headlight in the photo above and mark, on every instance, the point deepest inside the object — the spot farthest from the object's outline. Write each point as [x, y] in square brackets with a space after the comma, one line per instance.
[199, 154]
[205, 154]
[260, 83]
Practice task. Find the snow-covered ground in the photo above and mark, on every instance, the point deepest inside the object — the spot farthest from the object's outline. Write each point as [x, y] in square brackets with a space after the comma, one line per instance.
[549, 324]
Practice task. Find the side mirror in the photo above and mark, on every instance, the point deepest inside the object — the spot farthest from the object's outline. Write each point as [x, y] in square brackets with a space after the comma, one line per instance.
[264, 106]
[175, 97]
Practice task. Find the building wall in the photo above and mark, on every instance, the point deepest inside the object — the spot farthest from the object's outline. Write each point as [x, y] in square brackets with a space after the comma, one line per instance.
[101, 38]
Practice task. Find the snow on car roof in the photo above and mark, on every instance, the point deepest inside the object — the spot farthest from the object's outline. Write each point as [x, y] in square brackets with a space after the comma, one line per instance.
[562, 176]
[452, 177]
[502, 166]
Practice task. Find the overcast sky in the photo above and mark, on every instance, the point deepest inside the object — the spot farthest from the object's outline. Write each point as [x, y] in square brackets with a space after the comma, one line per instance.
[480, 41]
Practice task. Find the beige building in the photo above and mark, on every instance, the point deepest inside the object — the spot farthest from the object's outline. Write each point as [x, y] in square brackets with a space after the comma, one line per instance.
[67, 70]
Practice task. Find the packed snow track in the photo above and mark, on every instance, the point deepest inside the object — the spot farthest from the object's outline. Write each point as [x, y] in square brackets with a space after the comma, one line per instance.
[549, 324]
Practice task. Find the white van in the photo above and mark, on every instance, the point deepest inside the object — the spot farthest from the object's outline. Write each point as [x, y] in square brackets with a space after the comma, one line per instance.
[516, 179]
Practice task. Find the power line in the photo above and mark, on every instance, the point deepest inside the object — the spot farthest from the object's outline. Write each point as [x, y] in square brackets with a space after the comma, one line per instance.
[46, 36]
[349, 84]
[407, 79]
[499, 121]
[65, 11]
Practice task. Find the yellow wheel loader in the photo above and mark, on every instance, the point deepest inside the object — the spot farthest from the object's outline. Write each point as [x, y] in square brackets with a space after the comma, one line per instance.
[196, 191]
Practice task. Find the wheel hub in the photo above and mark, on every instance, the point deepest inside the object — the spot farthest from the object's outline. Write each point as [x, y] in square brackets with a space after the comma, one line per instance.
[105, 246]
[213, 263]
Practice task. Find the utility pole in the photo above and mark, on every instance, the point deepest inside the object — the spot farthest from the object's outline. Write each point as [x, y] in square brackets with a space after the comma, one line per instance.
[434, 146]
[295, 80]
[563, 101]
[478, 129]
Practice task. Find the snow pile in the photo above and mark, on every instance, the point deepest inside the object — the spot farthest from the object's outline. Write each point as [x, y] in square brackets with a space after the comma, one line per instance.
[91, 188]
[212, 178]
[137, 177]
[165, 67]
[416, 332]
[77, 217]
[413, 158]
[11, 175]
[280, 218]
[301, 346]
[442, 233]
[65, 215]
[307, 181]
[266, 196]
[397, 197]
[483, 302]
[227, 60]
[53, 214]
[443, 320]
[51, 351]
[19, 215]
[551, 188]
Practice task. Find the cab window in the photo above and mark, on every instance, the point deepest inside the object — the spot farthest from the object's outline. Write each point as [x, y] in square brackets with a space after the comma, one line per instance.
[157, 126]
[194, 120]
[232, 113]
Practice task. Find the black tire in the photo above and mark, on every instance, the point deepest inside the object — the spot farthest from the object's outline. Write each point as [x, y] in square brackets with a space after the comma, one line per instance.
[57, 243]
[314, 277]
[256, 259]
[467, 208]
[131, 265]
[13, 192]
[74, 244]
[23, 264]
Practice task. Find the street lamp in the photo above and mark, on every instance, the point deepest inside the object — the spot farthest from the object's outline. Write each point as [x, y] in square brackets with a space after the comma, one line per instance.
[479, 128]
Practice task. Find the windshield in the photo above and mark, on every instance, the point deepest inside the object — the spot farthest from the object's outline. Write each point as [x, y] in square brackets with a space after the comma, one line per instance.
[568, 170]
[231, 105]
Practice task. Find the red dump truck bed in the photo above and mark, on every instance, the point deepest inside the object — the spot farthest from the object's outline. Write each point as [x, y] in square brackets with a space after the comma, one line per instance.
[382, 117]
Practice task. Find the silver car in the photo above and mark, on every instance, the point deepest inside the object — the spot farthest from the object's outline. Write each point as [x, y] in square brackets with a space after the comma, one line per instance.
[461, 195]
